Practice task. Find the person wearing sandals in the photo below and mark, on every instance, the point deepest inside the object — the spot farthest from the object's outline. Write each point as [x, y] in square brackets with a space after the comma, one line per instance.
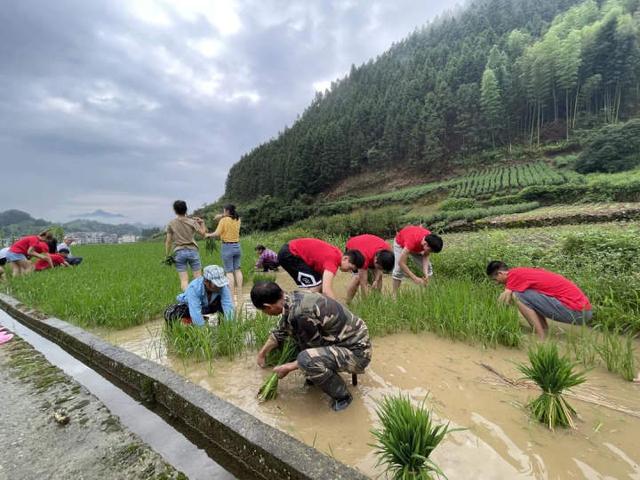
[181, 241]
[228, 231]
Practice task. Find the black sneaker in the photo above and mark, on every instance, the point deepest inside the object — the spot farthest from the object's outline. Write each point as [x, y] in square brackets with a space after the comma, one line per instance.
[341, 404]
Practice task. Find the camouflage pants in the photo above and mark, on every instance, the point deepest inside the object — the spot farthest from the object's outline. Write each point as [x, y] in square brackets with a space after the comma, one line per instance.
[319, 364]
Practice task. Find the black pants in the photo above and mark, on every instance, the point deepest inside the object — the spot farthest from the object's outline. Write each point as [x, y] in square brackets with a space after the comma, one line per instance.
[178, 311]
[269, 265]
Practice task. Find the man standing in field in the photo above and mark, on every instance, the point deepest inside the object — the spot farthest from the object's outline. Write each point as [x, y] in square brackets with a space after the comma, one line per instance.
[540, 294]
[329, 337]
[205, 295]
[378, 258]
[313, 263]
[181, 242]
[417, 242]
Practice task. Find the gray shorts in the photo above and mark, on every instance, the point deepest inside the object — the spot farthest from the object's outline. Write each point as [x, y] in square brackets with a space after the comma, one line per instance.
[550, 307]
[397, 273]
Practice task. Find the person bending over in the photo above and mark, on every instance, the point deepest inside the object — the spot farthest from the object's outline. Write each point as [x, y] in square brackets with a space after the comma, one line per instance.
[313, 263]
[205, 295]
[378, 258]
[58, 260]
[419, 243]
[540, 294]
[329, 337]
[31, 246]
[267, 259]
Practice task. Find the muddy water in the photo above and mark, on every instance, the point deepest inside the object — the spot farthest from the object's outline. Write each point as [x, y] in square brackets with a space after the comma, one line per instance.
[500, 441]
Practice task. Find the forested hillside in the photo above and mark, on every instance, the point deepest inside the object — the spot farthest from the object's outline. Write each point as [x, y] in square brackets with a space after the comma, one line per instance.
[499, 73]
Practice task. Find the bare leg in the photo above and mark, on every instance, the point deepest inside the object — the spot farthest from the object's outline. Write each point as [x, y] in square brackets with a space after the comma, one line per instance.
[197, 273]
[396, 286]
[232, 284]
[352, 288]
[15, 269]
[184, 280]
[537, 321]
[237, 276]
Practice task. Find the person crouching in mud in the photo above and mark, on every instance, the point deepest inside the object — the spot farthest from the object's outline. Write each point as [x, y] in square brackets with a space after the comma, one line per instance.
[329, 337]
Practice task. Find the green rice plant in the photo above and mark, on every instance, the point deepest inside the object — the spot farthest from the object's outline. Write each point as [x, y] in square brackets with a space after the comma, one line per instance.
[406, 439]
[210, 245]
[617, 353]
[188, 341]
[553, 374]
[269, 389]
[231, 337]
[582, 344]
[264, 277]
[261, 329]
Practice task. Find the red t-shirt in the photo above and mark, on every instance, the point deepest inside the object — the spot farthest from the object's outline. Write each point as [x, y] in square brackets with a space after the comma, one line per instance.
[548, 283]
[368, 246]
[411, 238]
[25, 243]
[317, 254]
[55, 258]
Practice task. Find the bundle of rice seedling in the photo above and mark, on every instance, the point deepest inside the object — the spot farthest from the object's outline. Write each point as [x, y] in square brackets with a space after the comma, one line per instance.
[168, 260]
[264, 277]
[553, 374]
[269, 389]
[210, 245]
[406, 439]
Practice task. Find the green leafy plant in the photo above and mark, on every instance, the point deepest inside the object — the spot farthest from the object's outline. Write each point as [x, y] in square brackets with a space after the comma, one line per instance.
[269, 389]
[406, 439]
[617, 353]
[210, 245]
[553, 374]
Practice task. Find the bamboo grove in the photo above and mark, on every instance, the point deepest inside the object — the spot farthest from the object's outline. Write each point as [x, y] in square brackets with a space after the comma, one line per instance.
[498, 73]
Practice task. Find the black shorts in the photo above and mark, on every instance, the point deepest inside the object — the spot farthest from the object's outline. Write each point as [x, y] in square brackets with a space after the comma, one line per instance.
[302, 274]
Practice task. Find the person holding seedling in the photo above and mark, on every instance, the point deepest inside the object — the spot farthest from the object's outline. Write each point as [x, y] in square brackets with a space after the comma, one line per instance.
[30, 246]
[378, 258]
[228, 231]
[329, 337]
[540, 294]
[417, 242]
[181, 242]
[267, 259]
[313, 263]
[205, 295]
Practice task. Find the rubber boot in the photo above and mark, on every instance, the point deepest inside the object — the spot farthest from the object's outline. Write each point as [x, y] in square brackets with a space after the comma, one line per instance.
[335, 387]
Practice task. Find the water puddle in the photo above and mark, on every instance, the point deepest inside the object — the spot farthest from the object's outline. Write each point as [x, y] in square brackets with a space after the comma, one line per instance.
[499, 442]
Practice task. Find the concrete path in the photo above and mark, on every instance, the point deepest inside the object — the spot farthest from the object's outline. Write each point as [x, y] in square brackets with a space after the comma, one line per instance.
[53, 428]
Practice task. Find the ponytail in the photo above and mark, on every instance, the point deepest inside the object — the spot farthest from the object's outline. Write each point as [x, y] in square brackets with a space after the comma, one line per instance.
[232, 211]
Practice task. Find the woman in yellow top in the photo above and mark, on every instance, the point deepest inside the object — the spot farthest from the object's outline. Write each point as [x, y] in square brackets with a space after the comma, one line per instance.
[229, 232]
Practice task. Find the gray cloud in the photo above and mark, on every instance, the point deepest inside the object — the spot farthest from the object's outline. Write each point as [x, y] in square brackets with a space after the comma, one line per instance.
[126, 106]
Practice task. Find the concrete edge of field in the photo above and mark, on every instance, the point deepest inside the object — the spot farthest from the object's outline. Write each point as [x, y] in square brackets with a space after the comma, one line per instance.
[209, 421]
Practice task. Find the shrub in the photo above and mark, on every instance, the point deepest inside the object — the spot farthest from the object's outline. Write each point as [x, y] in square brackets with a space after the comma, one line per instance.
[614, 149]
[457, 204]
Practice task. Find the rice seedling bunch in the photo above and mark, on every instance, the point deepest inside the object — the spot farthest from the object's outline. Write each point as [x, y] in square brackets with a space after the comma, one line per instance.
[269, 389]
[406, 439]
[231, 337]
[191, 341]
[210, 245]
[553, 374]
[169, 260]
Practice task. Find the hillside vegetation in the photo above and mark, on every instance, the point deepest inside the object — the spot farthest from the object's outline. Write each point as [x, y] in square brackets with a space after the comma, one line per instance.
[456, 93]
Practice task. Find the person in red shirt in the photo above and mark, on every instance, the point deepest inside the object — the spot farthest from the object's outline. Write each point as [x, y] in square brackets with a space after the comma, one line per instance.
[378, 258]
[417, 242]
[58, 260]
[31, 246]
[313, 263]
[540, 294]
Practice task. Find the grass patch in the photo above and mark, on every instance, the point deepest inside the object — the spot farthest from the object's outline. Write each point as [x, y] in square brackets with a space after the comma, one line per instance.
[617, 353]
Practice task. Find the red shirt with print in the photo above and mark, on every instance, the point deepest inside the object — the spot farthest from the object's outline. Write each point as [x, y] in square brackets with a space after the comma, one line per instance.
[55, 258]
[25, 243]
[368, 245]
[548, 283]
[411, 238]
[317, 254]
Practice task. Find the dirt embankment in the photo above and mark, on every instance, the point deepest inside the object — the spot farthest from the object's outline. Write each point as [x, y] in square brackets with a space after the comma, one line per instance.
[51, 427]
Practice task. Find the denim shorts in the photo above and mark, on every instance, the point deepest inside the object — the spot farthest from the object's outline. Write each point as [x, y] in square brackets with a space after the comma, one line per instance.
[186, 256]
[15, 257]
[231, 257]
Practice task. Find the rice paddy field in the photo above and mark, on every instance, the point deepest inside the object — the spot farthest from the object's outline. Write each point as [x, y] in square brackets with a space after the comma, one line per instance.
[450, 340]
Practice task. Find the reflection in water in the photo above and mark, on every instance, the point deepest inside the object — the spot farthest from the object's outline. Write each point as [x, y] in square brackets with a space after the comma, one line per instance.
[500, 441]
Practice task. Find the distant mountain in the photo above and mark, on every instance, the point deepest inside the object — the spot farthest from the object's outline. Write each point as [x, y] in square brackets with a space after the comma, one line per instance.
[98, 214]
[16, 223]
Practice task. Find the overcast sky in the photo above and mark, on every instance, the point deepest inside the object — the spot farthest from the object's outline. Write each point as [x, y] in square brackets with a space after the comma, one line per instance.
[128, 105]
